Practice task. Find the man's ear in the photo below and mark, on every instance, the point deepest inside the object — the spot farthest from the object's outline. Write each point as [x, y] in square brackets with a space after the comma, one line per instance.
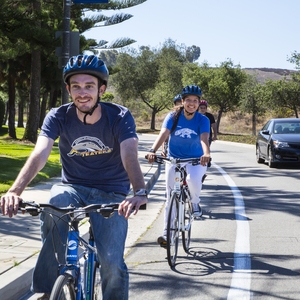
[68, 89]
[102, 89]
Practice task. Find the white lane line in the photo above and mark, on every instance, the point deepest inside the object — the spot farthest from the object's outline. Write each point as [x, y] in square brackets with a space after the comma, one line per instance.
[241, 276]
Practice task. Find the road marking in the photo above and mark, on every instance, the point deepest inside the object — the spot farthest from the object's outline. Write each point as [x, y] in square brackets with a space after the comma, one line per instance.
[241, 276]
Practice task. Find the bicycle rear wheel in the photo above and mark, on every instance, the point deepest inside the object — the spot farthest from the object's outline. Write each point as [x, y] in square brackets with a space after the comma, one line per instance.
[188, 219]
[63, 288]
[172, 231]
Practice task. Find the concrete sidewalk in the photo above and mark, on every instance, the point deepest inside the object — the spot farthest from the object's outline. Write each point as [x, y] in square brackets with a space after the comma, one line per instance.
[20, 237]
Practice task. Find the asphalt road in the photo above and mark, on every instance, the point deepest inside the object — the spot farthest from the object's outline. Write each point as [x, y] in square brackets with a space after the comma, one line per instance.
[246, 245]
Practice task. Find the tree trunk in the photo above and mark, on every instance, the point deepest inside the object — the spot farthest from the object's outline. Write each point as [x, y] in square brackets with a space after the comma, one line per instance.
[153, 114]
[11, 105]
[34, 98]
[43, 108]
[296, 112]
[6, 113]
[220, 112]
[21, 111]
[53, 98]
[35, 85]
[253, 124]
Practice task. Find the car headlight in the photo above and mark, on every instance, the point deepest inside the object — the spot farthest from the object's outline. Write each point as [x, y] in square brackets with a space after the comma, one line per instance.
[278, 144]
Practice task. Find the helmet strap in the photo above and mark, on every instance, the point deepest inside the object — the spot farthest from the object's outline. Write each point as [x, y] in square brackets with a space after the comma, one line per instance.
[90, 112]
[188, 113]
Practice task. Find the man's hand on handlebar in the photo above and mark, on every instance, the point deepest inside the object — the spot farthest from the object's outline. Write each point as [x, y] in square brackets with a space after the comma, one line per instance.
[131, 205]
[10, 204]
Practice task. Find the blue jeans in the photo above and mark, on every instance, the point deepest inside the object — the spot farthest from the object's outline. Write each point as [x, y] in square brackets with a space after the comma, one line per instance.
[110, 235]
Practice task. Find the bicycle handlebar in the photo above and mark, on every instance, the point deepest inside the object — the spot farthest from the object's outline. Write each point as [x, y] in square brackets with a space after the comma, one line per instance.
[161, 159]
[106, 210]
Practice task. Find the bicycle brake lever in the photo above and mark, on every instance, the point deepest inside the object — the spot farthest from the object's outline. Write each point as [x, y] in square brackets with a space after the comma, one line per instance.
[106, 212]
[33, 211]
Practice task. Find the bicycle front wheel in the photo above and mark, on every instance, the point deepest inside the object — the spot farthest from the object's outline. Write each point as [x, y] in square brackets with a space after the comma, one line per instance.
[97, 294]
[63, 288]
[188, 219]
[172, 231]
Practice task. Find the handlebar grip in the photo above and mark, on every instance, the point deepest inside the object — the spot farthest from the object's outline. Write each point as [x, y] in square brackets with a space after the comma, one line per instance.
[143, 206]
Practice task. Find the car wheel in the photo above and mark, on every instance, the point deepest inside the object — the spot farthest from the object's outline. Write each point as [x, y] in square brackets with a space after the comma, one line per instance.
[258, 158]
[271, 163]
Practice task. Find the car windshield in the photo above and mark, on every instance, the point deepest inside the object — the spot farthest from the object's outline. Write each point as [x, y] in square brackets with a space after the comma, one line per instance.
[287, 128]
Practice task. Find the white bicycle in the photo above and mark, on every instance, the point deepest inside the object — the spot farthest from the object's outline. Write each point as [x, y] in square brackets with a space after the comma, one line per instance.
[180, 215]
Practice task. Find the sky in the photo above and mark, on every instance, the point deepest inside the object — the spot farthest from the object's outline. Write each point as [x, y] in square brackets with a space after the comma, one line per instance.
[252, 33]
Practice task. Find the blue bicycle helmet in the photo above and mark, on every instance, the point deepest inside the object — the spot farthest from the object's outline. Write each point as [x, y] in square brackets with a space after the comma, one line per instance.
[86, 64]
[191, 90]
[177, 98]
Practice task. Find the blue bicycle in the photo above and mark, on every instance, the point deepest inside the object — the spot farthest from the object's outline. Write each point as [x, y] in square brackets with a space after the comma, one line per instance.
[76, 281]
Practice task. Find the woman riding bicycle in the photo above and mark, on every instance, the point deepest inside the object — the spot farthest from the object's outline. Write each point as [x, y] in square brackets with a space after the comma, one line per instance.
[189, 132]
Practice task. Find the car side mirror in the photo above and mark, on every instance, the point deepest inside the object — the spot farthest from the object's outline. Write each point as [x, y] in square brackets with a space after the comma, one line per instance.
[267, 132]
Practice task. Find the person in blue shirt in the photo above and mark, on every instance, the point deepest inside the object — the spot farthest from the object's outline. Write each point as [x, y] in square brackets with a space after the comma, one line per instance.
[99, 156]
[188, 132]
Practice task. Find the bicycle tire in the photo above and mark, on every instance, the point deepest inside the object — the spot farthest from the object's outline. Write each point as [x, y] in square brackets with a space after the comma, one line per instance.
[97, 292]
[172, 231]
[188, 219]
[63, 288]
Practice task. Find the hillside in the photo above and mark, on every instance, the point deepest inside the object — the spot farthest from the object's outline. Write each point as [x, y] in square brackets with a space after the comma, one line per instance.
[263, 74]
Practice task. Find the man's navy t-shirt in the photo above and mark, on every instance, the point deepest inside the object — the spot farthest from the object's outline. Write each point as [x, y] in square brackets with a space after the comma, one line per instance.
[90, 154]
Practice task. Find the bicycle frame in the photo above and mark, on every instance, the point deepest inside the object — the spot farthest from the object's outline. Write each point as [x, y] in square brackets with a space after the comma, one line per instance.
[180, 187]
[180, 215]
[84, 286]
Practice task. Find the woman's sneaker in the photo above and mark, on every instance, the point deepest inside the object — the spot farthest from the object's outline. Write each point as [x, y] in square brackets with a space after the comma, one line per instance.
[162, 241]
[197, 211]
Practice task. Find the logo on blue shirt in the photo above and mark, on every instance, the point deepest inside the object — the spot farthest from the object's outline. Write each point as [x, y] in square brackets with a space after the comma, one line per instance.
[88, 146]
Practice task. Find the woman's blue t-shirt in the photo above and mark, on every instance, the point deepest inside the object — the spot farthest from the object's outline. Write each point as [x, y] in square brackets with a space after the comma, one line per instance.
[90, 154]
[184, 141]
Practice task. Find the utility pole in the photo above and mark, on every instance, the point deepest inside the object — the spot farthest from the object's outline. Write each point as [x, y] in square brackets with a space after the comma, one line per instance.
[66, 40]
[65, 45]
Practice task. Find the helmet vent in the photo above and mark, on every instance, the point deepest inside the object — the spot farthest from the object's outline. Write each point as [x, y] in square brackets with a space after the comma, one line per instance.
[89, 60]
[79, 60]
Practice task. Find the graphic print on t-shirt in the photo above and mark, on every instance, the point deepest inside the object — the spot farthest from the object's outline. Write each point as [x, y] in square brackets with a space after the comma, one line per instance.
[88, 146]
[185, 133]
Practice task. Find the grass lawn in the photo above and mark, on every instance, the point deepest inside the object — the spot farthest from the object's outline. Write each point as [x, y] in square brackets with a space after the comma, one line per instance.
[13, 154]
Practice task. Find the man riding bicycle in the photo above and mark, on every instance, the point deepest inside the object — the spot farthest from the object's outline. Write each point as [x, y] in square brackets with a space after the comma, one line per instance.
[98, 148]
